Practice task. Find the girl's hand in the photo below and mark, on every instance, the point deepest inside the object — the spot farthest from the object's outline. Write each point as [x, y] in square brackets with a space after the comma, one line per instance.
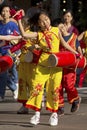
[78, 55]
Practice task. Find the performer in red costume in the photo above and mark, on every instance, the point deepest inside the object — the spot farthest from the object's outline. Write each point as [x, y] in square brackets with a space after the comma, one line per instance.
[69, 74]
[83, 41]
[68, 22]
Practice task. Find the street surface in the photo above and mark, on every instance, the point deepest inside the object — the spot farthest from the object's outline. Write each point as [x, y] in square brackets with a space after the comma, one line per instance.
[10, 120]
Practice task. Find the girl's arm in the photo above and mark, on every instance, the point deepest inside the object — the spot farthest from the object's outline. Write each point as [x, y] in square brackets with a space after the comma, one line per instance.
[80, 50]
[2, 43]
[25, 34]
[9, 37]
[80, 37]
[66, 45]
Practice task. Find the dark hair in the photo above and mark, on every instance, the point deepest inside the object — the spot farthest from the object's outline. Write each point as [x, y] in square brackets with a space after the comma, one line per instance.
[68, 11]
[3, 6]
[34, 20]
[36, 16]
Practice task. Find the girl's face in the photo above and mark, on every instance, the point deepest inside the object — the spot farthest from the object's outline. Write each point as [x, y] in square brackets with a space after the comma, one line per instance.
[44, 22]
[62, 28]
[68, 17]
[5, 13]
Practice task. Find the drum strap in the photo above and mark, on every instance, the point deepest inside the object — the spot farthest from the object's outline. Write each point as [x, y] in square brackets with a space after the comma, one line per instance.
[72, 41]
[48, 38]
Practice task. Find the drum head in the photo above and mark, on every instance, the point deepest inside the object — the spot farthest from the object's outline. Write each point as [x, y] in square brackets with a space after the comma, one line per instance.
[52, 60]
[29, 57]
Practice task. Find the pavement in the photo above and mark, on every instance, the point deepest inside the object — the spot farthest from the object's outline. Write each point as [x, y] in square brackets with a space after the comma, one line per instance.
[9, 119]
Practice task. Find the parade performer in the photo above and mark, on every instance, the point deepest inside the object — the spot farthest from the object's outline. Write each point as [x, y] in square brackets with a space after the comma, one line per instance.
[3, 43]
[83, 40]
[69, 73]
[49, 40]
[68, 21]
[25, 70]
[8, 78]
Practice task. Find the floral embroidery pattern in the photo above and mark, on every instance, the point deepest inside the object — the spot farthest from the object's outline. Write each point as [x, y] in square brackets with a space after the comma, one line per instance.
[36, 91]
[21, 86]
[55, 95]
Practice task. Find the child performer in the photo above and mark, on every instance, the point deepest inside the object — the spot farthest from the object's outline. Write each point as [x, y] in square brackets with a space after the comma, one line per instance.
[69, 74]
[83, 39]
[25, 70]
[49, 40]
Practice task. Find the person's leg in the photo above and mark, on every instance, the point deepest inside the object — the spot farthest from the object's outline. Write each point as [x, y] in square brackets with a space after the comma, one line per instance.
[12, 81]
[72, 93]
[61, 100]
[82, 77]
[23, 90]
[38, 81]
[52, 103]
[3, 82]
[12, 78]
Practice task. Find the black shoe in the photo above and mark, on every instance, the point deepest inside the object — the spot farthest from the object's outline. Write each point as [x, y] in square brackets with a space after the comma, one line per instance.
[61, 111]
[75, 105]
[22, 110]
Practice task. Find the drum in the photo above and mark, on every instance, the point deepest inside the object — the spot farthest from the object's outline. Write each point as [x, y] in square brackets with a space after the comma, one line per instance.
[80, 63]
[66, 59]
[6, 62]
[62, 59]
[29, 57]
[33, 56]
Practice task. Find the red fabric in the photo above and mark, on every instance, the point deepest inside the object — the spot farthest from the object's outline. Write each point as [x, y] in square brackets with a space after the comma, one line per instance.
[32, 107]
[82, 44]
[12, 12]
[6, 62]
[18, 16]
[68, 82]
[36, 55]
[17, 46]
[82, 76]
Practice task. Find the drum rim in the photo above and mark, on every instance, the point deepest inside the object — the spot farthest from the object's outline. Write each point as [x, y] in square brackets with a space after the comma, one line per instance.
[30, 58]
[50, 60]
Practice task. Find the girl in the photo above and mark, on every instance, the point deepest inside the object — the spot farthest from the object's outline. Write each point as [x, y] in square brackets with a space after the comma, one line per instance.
[69, 74]
[25, 70]
[49, 40]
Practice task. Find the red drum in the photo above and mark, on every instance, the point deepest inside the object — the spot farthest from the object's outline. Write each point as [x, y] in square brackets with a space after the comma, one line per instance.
[33, 57]
[6, 62]
[80, 63]
[66, 59]
[62, 59]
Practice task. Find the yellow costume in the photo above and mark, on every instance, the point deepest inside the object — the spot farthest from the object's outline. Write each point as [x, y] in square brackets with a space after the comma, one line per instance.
[85, 41]
[25, 71]
[44, 74]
